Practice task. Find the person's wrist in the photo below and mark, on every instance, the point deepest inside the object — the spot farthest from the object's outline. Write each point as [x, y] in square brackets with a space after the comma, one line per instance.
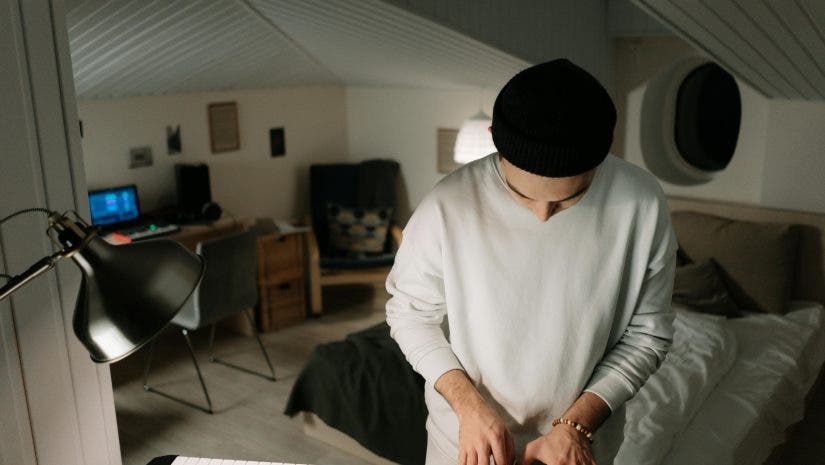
[455, 386]
[577, 430]
[469, 404]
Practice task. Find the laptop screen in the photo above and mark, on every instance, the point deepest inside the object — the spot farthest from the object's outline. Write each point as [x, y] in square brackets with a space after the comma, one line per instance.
[114, 206]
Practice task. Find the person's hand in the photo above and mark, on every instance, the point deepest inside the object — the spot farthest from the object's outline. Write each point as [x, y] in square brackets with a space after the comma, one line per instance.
[481, 433]
[563, 445]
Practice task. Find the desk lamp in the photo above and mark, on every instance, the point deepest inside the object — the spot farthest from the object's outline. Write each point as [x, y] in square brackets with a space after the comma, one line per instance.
[128, 293]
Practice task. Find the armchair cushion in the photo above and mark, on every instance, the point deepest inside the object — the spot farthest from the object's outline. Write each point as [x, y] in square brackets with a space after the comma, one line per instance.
[358, 229]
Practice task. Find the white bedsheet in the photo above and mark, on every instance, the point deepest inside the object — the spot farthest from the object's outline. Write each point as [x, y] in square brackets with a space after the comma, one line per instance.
[745, 416]
[703, 351]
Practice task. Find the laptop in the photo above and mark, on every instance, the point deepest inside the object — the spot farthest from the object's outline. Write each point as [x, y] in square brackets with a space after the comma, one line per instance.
[117, 209]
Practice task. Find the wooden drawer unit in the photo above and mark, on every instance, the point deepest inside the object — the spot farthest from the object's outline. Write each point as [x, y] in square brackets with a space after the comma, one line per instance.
[278, 253]
[281, 281]
[284, 303]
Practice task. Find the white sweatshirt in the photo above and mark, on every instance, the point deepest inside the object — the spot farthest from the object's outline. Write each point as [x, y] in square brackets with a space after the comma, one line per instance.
[537, 312]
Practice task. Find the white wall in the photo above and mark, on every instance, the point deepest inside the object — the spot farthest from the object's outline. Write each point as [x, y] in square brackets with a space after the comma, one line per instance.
[402, 124]
[776, 162]
[247, 182]
[795, 156]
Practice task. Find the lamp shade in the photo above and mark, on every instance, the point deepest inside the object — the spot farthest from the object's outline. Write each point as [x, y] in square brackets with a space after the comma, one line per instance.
[130, 292]
[474, 139]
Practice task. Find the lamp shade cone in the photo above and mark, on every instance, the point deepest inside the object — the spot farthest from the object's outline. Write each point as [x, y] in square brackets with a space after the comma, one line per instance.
[474, 139]
[129, 293]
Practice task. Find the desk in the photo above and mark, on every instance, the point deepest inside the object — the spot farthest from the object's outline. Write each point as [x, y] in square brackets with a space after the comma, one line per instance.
[190, 234]
[281, 272]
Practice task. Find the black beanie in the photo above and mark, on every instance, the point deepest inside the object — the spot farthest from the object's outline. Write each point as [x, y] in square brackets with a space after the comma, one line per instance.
[553, 119]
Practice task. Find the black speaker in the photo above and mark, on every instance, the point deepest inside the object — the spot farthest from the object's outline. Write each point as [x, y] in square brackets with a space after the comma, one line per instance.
[194, 193]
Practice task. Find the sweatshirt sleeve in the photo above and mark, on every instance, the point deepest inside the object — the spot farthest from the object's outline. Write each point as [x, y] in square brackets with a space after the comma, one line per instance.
[417, 307]
[649, 334]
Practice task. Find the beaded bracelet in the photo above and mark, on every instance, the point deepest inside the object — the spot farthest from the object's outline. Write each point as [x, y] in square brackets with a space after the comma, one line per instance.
[579, 427]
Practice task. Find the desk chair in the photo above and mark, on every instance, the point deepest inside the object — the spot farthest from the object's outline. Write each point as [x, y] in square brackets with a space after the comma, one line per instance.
[229, 286]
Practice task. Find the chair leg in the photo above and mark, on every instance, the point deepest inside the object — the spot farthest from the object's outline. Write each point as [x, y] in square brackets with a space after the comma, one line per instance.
[149, 388]
[197, 368]
[214, 359]
[212, 343]
[260, 344]
[148, 366]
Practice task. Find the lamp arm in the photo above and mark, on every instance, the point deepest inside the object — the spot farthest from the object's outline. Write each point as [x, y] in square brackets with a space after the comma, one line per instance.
[41, 266]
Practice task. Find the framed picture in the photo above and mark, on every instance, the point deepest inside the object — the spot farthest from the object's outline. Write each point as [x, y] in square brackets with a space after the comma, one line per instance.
[446, 145]
[223, 127]
[140, 156]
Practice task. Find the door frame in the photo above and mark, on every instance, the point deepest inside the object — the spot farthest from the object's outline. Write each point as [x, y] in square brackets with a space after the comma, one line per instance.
[58, 405]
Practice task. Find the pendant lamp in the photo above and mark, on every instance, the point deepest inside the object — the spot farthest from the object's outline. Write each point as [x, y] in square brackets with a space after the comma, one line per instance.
[474, 139]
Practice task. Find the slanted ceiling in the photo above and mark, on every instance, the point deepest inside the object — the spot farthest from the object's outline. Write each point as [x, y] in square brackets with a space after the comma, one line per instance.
[533, 30]
[778, 47]
[133, 48]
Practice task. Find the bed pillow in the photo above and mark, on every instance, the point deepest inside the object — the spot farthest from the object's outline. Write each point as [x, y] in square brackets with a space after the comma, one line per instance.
[756, 260]
[354, 230]
[681, 258]
[700, 287]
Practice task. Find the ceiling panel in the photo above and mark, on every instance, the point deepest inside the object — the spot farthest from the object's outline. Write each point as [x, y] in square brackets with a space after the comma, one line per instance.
[130, 48]
[135, 47]
[777, 46]
[370, 42]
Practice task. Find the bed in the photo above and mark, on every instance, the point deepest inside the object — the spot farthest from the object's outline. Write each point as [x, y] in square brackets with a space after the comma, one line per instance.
[730, 391]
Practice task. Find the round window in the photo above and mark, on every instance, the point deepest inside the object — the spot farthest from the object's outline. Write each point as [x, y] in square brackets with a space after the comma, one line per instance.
[690, 121]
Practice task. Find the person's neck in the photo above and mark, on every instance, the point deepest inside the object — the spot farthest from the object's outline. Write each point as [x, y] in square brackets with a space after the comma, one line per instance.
[545, 209]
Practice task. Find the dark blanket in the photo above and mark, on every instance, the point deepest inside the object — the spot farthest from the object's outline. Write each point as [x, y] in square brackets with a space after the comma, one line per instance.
[364, 387]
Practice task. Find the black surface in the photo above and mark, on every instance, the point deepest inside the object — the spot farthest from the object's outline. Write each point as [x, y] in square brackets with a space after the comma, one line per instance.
[364, 387]
[277, 142]
[193, 187]
[334, 182]
[164, 460]
[708, 114]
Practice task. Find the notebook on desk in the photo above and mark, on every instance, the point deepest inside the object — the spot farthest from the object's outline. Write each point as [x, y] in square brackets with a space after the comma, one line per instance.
[180, 460]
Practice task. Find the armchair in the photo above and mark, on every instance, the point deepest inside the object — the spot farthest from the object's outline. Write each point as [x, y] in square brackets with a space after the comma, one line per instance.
[370, 183]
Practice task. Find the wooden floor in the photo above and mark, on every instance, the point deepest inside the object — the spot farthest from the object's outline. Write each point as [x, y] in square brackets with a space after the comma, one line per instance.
[249, 424]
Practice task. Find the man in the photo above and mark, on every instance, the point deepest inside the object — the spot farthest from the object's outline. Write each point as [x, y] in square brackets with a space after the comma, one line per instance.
[554, 263]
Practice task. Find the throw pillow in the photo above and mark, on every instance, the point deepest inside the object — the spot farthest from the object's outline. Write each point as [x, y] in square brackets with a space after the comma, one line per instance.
[358, 229]
[700, 287]
[681, 258]
[757, 260]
